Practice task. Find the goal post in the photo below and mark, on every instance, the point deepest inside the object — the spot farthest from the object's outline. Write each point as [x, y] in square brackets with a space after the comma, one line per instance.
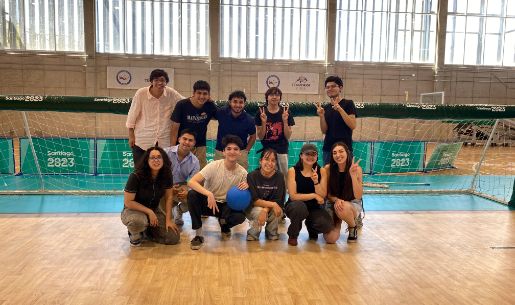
[58, 144]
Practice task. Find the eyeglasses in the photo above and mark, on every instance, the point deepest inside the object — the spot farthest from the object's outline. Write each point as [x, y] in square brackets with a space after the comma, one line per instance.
[158, 158]
[311, 153]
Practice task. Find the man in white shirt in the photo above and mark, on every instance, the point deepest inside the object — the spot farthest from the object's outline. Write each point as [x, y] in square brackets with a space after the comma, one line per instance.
[209, 190]
[148, 120]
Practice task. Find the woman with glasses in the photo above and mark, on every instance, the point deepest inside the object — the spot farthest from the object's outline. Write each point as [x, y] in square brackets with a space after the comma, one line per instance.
[151, 181]
[307, 187]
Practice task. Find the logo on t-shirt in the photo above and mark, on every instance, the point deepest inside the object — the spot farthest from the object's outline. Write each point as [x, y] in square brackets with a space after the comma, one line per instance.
[197, 118]
[274, 130]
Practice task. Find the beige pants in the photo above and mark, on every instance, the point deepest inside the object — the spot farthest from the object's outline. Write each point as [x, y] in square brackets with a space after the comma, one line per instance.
[243, 160]
[200, 153]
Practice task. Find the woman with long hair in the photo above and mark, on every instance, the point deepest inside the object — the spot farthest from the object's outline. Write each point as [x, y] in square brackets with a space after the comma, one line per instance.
[307, 187]
[345, 190]
[266, 185]
[151, 181]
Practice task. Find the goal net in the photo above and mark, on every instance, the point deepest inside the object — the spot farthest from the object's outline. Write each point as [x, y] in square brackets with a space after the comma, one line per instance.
[79, 145]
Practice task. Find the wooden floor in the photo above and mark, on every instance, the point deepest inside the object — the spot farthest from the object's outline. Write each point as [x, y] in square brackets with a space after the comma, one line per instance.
[400, 258]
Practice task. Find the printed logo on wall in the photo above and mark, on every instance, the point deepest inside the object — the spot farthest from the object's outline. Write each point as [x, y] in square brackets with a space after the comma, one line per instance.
[123, 77]
[273, 81]
[289, 82]
[132, 77]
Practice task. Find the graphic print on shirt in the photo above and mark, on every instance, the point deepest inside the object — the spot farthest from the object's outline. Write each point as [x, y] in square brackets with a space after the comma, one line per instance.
[196, 118]
[265, 190]
[273, 130]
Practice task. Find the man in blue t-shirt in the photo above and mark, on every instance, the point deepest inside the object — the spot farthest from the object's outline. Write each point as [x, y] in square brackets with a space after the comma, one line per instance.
[338, 118]
[233, 119]
[194, 113]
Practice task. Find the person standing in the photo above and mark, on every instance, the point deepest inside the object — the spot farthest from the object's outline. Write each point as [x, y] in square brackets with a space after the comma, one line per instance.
[194, 113]
[273, 124]
[337, 119]
[148, 120]
[233, 119]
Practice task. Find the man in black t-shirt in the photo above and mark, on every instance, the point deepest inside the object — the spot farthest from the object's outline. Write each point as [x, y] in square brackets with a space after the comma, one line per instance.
[337, 119]
[194, 113]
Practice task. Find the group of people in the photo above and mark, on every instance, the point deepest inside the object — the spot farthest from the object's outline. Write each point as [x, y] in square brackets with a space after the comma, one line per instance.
[167, 135]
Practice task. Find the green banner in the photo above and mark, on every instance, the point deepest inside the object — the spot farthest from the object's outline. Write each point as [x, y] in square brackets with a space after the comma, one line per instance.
[443, 156]
[114, 156]
[6, 156]
[392, 110]
[58, 156]
[363, 151]
[398, 157]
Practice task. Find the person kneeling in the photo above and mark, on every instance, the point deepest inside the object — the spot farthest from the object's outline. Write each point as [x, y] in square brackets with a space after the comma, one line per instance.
[307, 189]
[267, 188]
[145, 187]
[345, 191]
[209, 189]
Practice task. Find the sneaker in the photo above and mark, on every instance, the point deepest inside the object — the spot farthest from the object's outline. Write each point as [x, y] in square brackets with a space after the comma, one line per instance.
[272, 237]
[226, 236]
[359, 221]
[292, 242]
[135, 240]
[177, 216]
[196, 242]
[250, 238]
[353, 235]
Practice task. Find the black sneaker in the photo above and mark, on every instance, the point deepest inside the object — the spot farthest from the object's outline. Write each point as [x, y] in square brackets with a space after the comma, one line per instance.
[196, 242]
[135, 242]
[353, 235]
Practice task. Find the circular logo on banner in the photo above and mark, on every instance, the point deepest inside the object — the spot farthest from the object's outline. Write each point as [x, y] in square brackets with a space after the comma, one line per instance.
[273, 81]
[123, 77]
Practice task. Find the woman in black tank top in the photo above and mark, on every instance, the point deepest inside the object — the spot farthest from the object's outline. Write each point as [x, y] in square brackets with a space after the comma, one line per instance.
[345, 189]
[307, 188]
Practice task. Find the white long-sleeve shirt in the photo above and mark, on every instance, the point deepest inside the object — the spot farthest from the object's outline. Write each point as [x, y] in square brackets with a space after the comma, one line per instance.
[151, 117]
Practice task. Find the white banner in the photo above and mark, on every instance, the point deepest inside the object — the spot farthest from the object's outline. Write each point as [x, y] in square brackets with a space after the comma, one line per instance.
[289, 82]
[132, 77]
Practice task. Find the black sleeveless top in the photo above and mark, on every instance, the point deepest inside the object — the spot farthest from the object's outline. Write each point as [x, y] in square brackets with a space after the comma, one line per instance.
[305, 185]
[345, 192]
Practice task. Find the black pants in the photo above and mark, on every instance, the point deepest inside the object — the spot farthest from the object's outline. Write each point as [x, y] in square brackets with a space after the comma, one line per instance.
[227, 217]
[137, 154]
[317, 219]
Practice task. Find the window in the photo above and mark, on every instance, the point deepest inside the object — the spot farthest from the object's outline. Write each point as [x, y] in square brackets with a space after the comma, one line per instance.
[386, 30]
[273, 29]
[166, 27]
[481, 32]
[50, 25]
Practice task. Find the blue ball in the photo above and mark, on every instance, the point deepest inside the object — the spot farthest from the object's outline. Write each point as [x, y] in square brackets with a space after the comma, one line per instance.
[237, 199]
